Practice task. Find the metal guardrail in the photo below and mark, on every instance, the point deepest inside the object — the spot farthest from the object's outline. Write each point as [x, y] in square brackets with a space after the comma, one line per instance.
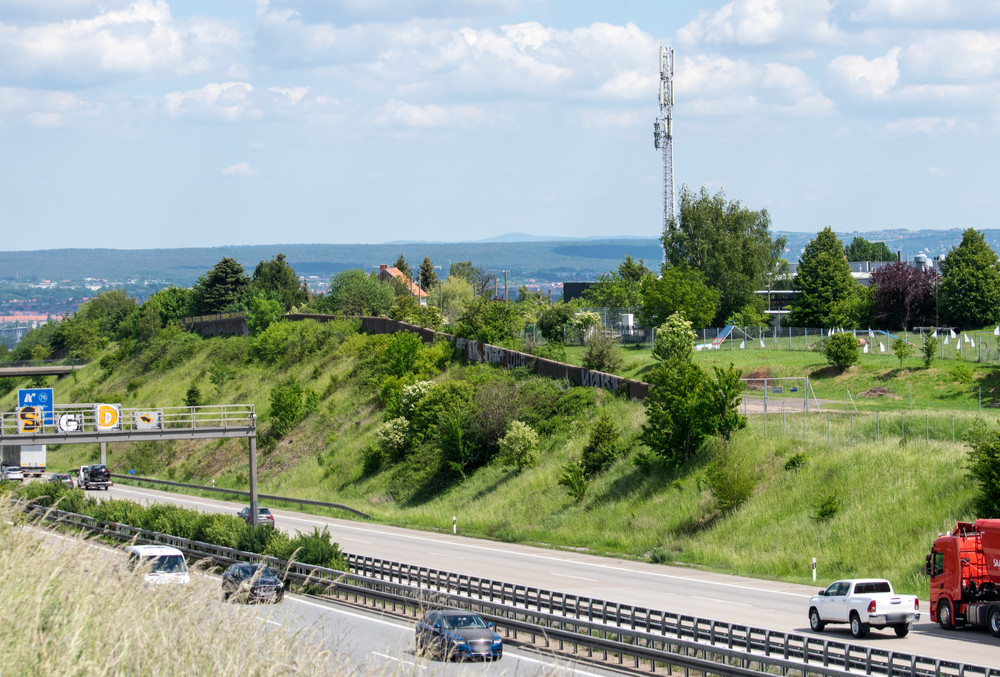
[237, 492]
[611, 629]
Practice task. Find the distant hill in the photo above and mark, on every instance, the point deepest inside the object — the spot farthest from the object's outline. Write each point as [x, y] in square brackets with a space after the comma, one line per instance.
[524, 257]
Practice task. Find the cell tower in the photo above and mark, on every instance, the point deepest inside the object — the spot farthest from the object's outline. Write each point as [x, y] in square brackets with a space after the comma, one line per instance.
[663, 133]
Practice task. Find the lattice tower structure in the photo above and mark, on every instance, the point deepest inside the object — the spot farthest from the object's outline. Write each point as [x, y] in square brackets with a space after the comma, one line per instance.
[663, 134]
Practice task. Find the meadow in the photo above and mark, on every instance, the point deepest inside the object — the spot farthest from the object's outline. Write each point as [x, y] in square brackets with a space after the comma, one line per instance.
[864, 492]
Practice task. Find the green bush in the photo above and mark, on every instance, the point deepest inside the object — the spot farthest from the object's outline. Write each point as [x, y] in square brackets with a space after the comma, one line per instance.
[575, 480]
[170, 519]
[316, 548]
[661, 555]
[796, 461]
[193, 396]
[931, 344]
[119, 511]
[287, 407]
[603, 354]
[961, 373]
[393, 438]
[372, 456]
[603, 447]
[519, 447]
[842, 350]
[827, 507]
[224, 530]
[255, 539]
[731, 477]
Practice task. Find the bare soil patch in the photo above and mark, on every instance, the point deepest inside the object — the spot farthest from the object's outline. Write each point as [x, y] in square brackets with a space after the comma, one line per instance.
[755, 379]
[879, 391]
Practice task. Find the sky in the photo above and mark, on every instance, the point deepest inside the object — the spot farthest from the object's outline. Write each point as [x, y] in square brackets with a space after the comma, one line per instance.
[190, 123]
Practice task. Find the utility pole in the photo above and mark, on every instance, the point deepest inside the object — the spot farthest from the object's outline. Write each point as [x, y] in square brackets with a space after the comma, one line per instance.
[663, 134]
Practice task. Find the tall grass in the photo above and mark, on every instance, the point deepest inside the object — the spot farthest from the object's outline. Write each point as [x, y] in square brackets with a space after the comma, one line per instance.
[70, 608]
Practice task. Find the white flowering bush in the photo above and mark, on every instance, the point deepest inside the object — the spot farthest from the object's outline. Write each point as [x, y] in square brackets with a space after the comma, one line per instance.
[584, 323]
[393, 437]
[411, 395]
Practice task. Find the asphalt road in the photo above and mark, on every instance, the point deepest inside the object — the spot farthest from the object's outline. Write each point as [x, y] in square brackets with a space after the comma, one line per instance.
[767, 604]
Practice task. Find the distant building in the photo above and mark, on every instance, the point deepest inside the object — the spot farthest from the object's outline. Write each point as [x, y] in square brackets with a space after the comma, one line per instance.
[388, 272]
[575, 290]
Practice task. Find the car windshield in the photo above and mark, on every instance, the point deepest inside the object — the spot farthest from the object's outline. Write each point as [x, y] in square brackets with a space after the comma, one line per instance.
[467, 621]
[251, 570]
[168, 564]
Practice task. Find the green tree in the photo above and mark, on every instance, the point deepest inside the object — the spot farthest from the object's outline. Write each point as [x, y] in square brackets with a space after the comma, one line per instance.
[454, 295]
[931, 344]
[574, 478]
[729, 244]
[490, 321]
[263, 308]
[108, 310]
[603, 354]
[861, 249]
[969, 291]
[823, 279]
[722, 401]
[842, 350]
[553, 319]
[79, 337]
[674, 339]
[287, 406]
[279, 277]
[482, 280]
[603, 446]
[220, 288]
[984, 466]
[402, 266]
[352, 292]
[620, 288]
[427, 277]
[902, 350]
[519, 447]
[680, 289]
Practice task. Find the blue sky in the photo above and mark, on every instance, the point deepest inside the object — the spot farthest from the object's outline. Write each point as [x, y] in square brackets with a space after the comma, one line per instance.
[154, 123]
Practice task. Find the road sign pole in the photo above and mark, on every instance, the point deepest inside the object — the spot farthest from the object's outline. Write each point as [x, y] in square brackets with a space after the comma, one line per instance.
[253, 480]
[104, 453]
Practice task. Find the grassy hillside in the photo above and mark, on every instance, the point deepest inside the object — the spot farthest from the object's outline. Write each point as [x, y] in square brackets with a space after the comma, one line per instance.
[860, 509]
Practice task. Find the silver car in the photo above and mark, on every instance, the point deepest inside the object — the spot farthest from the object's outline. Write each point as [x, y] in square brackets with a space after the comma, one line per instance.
[13, 473]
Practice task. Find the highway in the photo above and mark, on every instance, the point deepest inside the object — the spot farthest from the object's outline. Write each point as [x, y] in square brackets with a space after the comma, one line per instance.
[767, 604]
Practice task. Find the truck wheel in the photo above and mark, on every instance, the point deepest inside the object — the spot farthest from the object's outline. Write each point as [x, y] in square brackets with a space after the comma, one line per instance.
[814, 620]
[995, 621]
[902, 629]
[858, 629]
[945, 618]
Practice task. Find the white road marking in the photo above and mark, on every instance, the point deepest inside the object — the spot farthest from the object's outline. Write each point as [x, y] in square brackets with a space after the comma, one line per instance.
[441, 554]
[398, 660]
[579, 578]
[268, 620]
[722, 601]
[355, 540]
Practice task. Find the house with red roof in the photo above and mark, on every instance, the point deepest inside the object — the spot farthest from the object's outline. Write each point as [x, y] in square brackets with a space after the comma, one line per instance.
[388, 272]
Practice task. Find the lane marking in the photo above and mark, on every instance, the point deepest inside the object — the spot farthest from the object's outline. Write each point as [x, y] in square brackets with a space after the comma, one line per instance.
[579, 578]
[722, 601]
[441, 554]
[398, 660]
[494, 550]
[268, 620]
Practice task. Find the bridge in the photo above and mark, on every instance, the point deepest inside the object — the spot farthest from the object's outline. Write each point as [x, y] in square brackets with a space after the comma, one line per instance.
[102, 424]
[58, 368]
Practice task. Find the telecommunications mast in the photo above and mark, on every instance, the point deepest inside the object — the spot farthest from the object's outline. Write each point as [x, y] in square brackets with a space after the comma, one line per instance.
[663, 134]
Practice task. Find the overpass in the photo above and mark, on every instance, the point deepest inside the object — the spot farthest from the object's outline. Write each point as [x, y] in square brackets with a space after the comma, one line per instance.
[58, 368]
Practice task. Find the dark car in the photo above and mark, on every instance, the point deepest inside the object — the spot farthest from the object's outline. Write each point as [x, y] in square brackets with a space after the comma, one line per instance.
[457, 633]
[65, 478]
[264, 515]
[246, 582]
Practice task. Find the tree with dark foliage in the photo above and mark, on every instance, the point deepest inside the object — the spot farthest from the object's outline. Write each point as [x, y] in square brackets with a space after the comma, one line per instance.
[903, 295]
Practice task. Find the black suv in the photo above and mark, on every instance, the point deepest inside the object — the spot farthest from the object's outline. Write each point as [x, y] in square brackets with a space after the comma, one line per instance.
[98, 473]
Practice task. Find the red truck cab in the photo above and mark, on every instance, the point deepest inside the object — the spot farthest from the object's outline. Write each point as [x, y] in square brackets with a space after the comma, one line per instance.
[964, 570]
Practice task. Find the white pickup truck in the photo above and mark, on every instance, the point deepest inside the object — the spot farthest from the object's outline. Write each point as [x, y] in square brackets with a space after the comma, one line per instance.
[864, 603]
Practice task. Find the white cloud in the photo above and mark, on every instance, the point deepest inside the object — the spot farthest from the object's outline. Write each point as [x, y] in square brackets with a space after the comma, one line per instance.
[401, 113]
[761, 22]
[923, 125]
[718, 85]
[605, 119]
[241, 169]
[923, 12]
[230, 101]
[138, 40]
[870, 78]
[954, 54]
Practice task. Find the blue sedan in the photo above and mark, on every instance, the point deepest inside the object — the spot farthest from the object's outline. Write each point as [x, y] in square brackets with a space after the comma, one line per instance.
[458, 633]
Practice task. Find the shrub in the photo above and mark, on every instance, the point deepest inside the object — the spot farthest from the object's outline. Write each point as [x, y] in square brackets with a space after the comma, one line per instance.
[119, 511]
[603, 447]
[401, 352]
[796, 461]
[316, 548]
[661, 555]
[902, 350]
[730, 476]
[603, 354]
[519, 447]
[193, 396]
[393, 438]
[372, 457]
[827, 507]
[224, 530]
[931, 344]
[983, 462]
[575, 480]
[411, 395]
[255, 539]
[842, 350]
[961, 373]
[171, 519]
[286, 406]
